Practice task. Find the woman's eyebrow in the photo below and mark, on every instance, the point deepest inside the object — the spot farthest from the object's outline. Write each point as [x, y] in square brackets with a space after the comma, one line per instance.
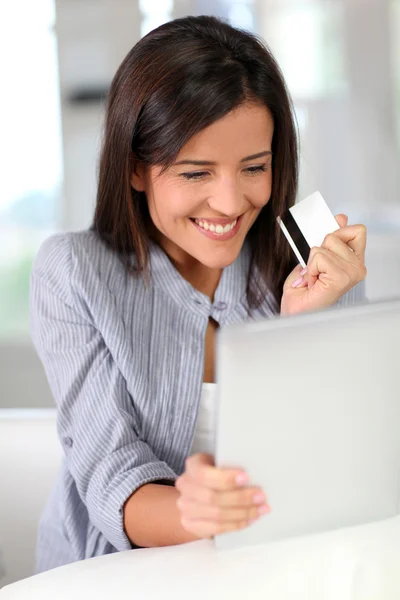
[205, 163]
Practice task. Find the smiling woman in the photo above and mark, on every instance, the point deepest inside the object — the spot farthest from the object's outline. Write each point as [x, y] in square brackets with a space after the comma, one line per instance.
[199, 158]
[207, 103]
[221, 201]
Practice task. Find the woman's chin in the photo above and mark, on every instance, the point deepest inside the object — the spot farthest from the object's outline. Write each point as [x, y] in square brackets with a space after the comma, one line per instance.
[218, 259]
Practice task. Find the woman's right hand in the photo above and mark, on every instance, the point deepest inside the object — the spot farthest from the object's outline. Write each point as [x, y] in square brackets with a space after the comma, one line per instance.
[214, 500]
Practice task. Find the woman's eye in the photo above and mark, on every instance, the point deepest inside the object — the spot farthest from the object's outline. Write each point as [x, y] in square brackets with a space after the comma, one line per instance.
[258, 169]
[195, 175]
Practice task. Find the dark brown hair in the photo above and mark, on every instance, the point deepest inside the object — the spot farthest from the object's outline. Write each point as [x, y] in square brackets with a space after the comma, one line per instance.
[177, 80]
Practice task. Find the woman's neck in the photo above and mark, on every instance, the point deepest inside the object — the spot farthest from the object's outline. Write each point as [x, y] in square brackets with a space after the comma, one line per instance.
[202, 278]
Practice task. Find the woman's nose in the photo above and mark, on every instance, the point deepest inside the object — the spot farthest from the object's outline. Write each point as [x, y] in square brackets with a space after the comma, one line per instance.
[228, 199]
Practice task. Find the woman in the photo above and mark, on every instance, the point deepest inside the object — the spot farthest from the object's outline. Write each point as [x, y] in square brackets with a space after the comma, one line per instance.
[199, 158]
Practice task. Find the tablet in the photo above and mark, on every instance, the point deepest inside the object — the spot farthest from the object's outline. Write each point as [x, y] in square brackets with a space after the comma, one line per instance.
[309, 406]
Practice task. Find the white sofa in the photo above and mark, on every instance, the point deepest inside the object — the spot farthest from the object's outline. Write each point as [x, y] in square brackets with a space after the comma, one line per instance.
[30, 455]
[354, 564]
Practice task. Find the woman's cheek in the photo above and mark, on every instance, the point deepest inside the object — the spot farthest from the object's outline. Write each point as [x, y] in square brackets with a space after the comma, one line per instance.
[263, 195]
[263, 199]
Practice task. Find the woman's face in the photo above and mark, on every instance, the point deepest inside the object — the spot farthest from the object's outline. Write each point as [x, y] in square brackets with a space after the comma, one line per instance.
[203, 206]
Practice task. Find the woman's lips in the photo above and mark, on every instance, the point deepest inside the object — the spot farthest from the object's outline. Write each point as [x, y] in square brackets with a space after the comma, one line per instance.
[217, 223]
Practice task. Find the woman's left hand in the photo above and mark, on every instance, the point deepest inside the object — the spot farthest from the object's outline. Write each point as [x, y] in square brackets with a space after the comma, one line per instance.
[332, 270]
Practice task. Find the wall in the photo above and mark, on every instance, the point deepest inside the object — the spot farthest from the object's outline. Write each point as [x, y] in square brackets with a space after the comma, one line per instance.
[349, 132]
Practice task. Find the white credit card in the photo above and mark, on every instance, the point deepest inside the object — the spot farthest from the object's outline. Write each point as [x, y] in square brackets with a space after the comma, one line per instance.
[306, 224]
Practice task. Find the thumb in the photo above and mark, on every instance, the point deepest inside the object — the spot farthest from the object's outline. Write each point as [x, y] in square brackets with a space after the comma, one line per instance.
[196, 463]
[201, 459]
[342, 220]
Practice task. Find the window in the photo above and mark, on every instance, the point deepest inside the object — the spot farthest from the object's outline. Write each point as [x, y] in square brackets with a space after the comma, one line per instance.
[30, 151]
[307, 40]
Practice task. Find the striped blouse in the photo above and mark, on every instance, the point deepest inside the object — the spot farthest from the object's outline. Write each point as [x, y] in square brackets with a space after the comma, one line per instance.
[124, 360]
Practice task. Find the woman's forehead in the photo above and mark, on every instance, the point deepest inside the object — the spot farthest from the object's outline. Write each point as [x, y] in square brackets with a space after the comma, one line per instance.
[245, 131]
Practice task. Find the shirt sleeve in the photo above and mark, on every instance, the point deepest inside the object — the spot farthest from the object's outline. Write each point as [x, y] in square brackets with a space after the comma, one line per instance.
[96, 418]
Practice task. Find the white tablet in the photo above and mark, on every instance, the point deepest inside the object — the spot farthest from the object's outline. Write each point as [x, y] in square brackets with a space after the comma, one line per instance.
[309, 406]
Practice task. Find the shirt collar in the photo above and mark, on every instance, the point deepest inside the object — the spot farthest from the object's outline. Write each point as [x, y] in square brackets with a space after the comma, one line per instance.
[230, 291]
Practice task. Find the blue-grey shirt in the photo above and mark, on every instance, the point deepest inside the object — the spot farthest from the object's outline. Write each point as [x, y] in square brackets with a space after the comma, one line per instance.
[125, 360]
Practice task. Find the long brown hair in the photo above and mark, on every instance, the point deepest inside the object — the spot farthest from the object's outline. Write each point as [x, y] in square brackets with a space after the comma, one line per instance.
[177, 80]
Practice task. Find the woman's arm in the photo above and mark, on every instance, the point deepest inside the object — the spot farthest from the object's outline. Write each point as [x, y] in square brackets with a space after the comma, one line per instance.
[96, 418]
[207, 501]
[117, 475]
[152, 517]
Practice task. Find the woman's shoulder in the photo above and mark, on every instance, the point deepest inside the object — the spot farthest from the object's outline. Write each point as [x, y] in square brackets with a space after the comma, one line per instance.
[75, 245]
[77, 259]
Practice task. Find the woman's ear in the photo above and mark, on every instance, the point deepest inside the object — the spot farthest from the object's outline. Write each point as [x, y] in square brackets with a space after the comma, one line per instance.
[138, 176]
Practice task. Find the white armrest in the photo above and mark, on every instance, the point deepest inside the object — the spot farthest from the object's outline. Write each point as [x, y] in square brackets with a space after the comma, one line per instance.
[354, 564]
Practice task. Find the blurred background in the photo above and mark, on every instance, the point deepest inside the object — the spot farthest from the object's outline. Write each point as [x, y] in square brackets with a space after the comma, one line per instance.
[341, 60]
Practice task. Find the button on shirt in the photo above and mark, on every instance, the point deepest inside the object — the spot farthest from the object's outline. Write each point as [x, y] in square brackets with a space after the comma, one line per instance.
[125, 363]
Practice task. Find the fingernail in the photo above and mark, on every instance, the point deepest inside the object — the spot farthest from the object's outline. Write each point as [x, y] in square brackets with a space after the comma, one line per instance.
[259, 499]
[242, 479]
[303, 272]
[298, 282]
[263, 510]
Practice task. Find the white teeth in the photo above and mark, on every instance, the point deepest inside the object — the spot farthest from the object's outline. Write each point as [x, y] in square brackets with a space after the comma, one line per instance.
[219, 229]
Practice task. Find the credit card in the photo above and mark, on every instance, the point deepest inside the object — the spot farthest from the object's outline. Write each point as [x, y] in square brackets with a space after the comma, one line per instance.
[306, 224]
